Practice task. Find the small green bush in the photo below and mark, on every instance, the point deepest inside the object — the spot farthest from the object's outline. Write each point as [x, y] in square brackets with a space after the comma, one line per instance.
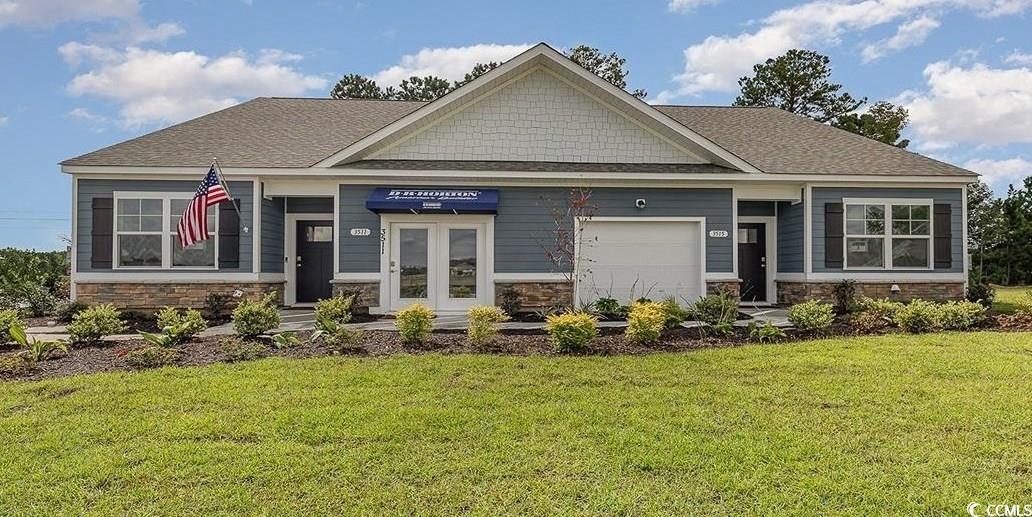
[254, 318]
[960, 315]
[9, 318]
[766, 333]
[868, 322]
[917, 316]
[38, 300]
[65, 310]
[415, 323]
[1024, 304]
[181, 326]
[645, 322]
[285, 340]
[511, 302]
[883, 308]
[237, 350]
[845, 295]
[337, 309]
[151, 357]
[981, 292]
[571, 331]
[609, 308]
[483, 324]
[716, 308]
[15, 364]
[675, 314]
[91, 325]
[338, 336]
[811, 315]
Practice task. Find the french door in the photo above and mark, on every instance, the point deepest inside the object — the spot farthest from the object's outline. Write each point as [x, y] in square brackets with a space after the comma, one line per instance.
[438, 264]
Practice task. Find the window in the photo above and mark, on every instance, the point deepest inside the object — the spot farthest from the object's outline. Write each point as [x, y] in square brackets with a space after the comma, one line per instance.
[888, 234]
[145, 233]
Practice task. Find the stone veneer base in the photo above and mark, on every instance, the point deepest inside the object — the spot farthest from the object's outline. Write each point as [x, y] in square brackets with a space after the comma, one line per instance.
[149, 296]
[796, 292]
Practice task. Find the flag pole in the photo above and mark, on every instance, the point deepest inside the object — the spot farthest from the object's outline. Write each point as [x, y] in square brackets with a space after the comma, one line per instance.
[225, 186]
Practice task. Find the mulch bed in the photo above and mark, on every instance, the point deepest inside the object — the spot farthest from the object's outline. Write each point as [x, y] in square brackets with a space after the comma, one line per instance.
[109, 356]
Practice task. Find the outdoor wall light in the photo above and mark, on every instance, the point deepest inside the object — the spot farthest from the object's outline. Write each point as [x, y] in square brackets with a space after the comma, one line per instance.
[895, 288]
[640, 203]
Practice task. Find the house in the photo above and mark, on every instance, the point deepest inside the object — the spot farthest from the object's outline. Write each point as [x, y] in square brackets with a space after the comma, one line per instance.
[452, 202]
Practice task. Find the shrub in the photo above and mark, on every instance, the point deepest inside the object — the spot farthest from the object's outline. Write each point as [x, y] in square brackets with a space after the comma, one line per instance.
[981, 292]
[483, 324]
[337, 309]
[95, 323]
[766, 333]
[571, 331]
[960, 315]
[609, 308]
[645, 322]
[237, 350]
[337, 335]
[37, 299]
[883, 308]
[414, 323]
[917, 316]
[36, 350]
[9, 319]
[151, 357]
[716, 308]
[845, 295]
[254, 318]
[1024, 304]
[217, 304]
[674, 313]
[285, 340]
[67, 309]
[160, 340]
[868, 322]
[181, 326]
[811, 315]
[15, 364]
[724, 328]
[511, 303]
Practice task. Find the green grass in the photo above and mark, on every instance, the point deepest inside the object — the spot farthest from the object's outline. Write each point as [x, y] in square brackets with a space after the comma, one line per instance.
[882, 425]
[1007, 298]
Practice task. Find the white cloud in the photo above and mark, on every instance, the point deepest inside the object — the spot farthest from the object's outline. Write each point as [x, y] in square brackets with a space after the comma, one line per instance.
[448, 63]
[1000, 173]
[3, 120]
[44, 13]
[166, 87]
[684, 6]
[909, 34]
[75, 53]
[1018, 58]
[972, 103]
[717, 62]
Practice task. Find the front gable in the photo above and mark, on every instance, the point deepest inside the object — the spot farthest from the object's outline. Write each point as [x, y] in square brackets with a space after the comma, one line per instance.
[538, 116]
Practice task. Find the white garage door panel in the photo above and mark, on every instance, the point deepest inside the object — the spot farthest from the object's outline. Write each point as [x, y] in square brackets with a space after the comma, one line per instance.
[654, 258]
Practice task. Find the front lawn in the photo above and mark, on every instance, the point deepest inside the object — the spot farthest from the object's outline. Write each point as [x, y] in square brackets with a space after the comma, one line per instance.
[1008, 297]
[895, 424]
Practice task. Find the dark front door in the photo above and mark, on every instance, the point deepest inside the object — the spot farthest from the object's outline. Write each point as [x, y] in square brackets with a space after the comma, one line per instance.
[752, 261]
[314, 260]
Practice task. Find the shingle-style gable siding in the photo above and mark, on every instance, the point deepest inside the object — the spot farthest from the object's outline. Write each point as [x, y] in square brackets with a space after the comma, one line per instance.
[538, 118]
[89, 189]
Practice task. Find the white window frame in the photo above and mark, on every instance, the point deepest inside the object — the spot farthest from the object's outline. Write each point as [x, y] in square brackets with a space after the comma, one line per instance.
[166, 232]
[887, 236]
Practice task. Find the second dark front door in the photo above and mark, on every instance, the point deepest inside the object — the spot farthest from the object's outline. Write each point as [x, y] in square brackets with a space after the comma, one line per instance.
[752, 261]
[314, 261]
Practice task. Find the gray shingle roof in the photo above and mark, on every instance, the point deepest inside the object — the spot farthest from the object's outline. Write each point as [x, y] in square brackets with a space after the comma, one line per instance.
[281, 132]
[778, 142]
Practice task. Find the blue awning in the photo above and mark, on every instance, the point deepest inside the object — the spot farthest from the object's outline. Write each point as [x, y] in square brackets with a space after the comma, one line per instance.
[459, 201]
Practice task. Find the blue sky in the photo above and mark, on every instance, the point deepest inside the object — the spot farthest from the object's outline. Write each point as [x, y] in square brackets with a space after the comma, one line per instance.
[83, 74]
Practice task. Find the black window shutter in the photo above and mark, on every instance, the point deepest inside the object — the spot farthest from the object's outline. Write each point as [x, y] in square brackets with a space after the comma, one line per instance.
[943, 235]
[229, 236]
[101, 233]
[833, 235]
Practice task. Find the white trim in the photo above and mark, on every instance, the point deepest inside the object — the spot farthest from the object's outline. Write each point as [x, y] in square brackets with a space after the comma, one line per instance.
[73, 254]
[771, 238]
[356, 277]
[170, 277]
[722, 277]
[643, 219]
[964, 235]
[256, 226]
[888, 236]
[352, 175]
[166, 232]
[808, 230]
[290, 221]
[733, 230]
[907, 277]
[529, 277]
[336, 229]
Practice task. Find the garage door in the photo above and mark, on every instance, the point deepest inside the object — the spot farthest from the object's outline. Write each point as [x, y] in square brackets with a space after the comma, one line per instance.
[631, 259]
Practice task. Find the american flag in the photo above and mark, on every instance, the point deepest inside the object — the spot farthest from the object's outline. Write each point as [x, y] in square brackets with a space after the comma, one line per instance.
[193, 226]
